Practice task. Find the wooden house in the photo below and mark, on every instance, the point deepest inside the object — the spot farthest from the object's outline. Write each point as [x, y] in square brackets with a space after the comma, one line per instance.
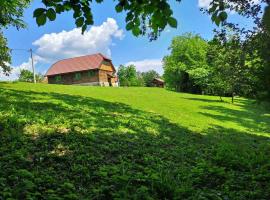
[157, 82]
[84, 70]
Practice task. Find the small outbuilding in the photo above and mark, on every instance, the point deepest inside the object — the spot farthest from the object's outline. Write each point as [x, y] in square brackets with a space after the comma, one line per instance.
[93, 69]
[157, 82]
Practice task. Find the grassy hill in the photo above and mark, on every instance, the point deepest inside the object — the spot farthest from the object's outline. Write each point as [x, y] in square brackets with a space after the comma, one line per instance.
[76, 142]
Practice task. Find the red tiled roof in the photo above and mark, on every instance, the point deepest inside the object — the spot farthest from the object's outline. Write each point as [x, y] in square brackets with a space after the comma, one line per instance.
[76, 64]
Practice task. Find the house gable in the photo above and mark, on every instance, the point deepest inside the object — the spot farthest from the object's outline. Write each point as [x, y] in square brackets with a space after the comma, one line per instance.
[107, 66]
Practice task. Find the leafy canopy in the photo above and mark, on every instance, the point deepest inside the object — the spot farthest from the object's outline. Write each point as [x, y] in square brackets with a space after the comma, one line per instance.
[10, 15]
[224, 66]
[186, 65]
[27, 76]
[127, 75]
[141, 15]
[5, 57]
[146, 16]
[228, 70]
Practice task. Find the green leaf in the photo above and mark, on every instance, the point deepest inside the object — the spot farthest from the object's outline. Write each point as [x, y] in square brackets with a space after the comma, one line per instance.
[214, 16]
[119, 8]
[223, 16]
[172, 22]
[129, 17]
[77, 14]
[79, 22]
[89, 20]
[76, 8]
[213, 8]
[137, 21]
[168, 12]
[59, 8]
[149, 9]
[67, 6]
[221, 5]
[129, 26]
[51, 14]
[41, 19]
[38, 12]
[136, 31]
[162, 23]
[157, 18]
[217, 21]
[86, 9]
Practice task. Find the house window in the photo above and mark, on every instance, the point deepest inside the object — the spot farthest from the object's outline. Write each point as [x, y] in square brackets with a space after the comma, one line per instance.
[77, 76]
[91, 73]
[58, 78]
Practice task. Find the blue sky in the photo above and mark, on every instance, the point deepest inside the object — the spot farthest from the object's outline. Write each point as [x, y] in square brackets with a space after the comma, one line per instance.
[60, 39]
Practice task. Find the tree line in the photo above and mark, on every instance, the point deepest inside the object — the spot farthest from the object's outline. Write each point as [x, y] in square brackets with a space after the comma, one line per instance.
[227, 65]
[129, 76]
[28, 76]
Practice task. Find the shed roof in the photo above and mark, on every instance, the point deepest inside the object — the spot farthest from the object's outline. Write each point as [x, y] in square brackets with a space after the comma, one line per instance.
[159, 80]
[76, 64]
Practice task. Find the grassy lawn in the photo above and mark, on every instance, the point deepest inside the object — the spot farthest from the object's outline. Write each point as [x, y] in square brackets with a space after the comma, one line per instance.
[73, 142]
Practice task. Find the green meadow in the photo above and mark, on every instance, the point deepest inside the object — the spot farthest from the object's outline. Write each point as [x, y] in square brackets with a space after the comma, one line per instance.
[75, 142]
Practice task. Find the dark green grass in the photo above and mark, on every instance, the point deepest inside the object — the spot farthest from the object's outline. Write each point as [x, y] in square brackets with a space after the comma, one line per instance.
[65, 142]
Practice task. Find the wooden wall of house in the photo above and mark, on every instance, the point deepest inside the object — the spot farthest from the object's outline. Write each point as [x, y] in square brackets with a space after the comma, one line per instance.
[103, 76]
[106, 68]
[158, 84]
[69, 78]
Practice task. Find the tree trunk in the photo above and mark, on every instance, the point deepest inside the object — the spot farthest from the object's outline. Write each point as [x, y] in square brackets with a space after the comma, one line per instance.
[232, 97]
[221, 98]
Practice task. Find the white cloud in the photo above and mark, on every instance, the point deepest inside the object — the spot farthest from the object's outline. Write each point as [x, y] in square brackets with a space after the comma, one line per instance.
[167, 30]
[147, 64]
[206, 3]
[16, 69]
[55, 46]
